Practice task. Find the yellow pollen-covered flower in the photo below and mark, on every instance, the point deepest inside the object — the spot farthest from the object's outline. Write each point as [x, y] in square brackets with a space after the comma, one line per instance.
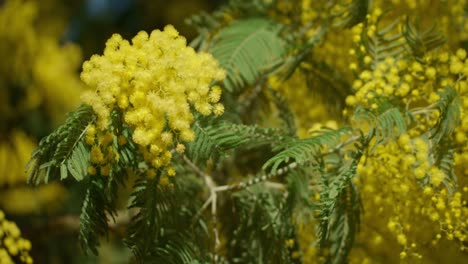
[157, 80]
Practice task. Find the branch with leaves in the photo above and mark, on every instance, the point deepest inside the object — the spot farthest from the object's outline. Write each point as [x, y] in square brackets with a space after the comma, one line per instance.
[180, 146]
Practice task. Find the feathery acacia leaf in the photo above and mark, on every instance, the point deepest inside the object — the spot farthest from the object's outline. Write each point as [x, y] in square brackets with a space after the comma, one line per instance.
[247, 49]
[216, 139]
[94, 215]
[357, 12]
[304, 150]
[78, 163]
[386, 122]
[339, 208]
[285, 112]
[162, 231]
[387, 42]
[422, 42]
[55, 150]
[449, 108]
[263, 227]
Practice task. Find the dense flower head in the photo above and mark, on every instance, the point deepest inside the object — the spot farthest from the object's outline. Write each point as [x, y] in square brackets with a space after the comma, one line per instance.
[13, 247]
[156, 81]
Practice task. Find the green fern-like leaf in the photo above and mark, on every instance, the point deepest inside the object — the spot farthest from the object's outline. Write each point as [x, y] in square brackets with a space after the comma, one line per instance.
[422, 42]
[216, 139]
[304, 150]
[94, 215]
[356, 12]
[77, 164]
[298, 202]
[386, 122]
[449, 108]
[387, 42]
[247, 49]
[326, 83]
[263, 227]
[54, 151]
[285, 112]
[162, 231]
[339, 208]
[444, 159]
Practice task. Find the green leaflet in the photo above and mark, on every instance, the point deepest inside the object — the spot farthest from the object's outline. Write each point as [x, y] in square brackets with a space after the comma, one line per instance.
[387, 42]
[247, 49]
[304, 150]
[339, 208]
[78, 163]
[357, 12]
[386, 122]
[57, 151]
[421, 42]
[94, 215]
[215, 139]
[449, 107]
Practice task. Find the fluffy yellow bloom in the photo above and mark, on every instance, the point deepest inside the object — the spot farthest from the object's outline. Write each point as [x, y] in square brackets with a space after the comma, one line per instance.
[12, 245]
[157, 81]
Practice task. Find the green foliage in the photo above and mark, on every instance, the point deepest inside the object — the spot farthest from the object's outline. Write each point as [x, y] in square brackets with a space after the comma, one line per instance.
[285, 113]
[248, 49]
[386, 122]
[169, 222]
[449, 108]
[163, 229]
[77, 164]
[386, 42]
[304, 150]
[339, 207]
[95, 213]
[357, 12]
[262, 227]
[326, 83]
[444, 159]
[422, 42]
[56, 150]
[216, 139]
[298, 202]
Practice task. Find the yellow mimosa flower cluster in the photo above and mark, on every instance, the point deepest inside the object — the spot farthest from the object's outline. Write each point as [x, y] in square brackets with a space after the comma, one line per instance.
[34, 65]
[407, 201]
[13, 247]
[411, 207]
[155, 81]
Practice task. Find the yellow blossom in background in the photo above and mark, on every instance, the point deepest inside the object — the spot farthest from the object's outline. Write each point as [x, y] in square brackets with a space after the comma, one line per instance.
[14, 154]
[38, 78]
[310, 113]
[38, 68]
[13, 247]
[398, 221]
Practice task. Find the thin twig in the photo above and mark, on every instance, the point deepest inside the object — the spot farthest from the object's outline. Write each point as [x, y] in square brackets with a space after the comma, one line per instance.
[72, 222]
[214, 189]
[211, 200]
[262, 178]
[279, 172]
[252, 95]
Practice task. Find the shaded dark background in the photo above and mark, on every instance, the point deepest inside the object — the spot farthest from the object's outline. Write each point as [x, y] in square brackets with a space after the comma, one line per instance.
[92, 22]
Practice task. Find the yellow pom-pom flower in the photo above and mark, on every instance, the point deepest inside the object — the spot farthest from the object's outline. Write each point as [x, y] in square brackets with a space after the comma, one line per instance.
[157, 80]
[12, 245]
